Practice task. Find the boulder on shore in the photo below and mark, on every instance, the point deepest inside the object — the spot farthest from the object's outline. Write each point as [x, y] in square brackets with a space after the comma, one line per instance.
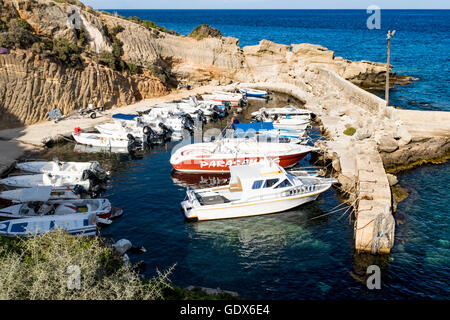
[205, 31]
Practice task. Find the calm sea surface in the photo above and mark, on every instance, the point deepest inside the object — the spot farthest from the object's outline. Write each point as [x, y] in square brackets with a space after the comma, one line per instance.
[300, 254]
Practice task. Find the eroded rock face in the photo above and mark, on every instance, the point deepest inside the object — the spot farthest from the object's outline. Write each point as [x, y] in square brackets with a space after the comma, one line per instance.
[218, 59]
[31, 86]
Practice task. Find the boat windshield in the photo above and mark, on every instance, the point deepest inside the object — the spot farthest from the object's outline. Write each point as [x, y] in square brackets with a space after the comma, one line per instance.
[270, 183]
[285, 183]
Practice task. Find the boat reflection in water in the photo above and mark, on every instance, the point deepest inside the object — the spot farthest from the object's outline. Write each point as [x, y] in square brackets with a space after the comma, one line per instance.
[200, 180]
[258, 241]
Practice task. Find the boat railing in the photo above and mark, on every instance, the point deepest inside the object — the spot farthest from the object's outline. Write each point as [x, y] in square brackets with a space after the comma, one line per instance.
[305, 189]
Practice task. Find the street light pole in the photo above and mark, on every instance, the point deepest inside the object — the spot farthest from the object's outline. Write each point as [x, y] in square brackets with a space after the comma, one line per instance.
[389, 36]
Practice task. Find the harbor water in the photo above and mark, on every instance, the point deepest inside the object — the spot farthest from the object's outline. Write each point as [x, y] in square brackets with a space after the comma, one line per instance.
[305, 253]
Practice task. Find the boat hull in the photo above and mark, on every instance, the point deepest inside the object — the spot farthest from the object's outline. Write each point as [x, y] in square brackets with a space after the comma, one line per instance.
[217, 165]
[239, 210]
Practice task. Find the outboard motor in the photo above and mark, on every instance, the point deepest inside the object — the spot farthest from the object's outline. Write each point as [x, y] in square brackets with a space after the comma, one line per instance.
[80, 190]
[188, 125]
[133, 143]
[201, 116]
[154, 138]
[92, 177]
[167, 132]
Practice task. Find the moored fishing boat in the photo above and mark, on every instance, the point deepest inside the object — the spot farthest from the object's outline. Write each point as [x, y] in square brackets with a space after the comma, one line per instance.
[48, 179]
[58, 166]
[255, 189]
[43, 192]
[75, 224]
[233, 99]
[220, 155]
[107, 141]
[254, 93]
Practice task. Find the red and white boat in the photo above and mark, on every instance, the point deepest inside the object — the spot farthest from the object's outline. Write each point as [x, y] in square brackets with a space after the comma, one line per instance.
[220, 155]
[234, 99]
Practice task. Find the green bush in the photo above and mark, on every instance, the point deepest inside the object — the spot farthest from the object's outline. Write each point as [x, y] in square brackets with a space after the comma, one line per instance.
[350, 131]
[40, 268]
[82, 37]
[205, 31]
[107, 58]
[116, 30]
[159, 72]
[3, 26]
[134, 69]
[18, 35]
[67, 52]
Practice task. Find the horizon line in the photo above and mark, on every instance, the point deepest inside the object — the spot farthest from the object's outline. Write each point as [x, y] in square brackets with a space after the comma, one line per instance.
[268, 9]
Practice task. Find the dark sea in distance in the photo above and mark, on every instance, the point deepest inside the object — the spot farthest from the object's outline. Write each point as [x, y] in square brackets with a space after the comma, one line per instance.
[298, 255]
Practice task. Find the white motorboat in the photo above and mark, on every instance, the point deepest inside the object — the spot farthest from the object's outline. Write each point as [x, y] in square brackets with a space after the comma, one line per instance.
[48, 179]
[22, 195]
[82, 148]
[254, 93]
[105, 140]
[75, 224]
[219, 155]
[100, 207]
[255, 189]
[291, 122]
[225, 97]
[57, 166]
[284, 111]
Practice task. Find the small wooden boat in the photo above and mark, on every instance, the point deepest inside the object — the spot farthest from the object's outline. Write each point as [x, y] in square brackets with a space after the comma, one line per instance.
[75, 224]
[256, 189]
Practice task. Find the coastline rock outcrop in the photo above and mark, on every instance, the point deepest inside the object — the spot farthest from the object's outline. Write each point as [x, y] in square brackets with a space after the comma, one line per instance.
[213, 58]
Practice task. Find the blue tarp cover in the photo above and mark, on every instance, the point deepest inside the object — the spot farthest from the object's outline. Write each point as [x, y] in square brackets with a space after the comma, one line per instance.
[257, 126]
[124, 116]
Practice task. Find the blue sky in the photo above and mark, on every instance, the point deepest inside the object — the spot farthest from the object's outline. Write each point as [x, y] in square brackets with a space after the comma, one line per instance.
[267, 4]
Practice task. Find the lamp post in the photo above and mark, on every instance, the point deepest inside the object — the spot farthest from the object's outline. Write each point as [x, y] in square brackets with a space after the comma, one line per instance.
[389, 36]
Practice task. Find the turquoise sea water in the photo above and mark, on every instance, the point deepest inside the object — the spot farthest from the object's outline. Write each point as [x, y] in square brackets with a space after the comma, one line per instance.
[420, 47]
[296, 255]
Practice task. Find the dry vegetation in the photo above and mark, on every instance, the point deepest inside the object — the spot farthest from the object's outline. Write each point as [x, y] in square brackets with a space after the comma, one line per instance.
[39, 268]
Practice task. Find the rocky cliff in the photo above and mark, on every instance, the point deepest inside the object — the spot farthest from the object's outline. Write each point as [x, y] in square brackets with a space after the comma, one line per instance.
[30, 84]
